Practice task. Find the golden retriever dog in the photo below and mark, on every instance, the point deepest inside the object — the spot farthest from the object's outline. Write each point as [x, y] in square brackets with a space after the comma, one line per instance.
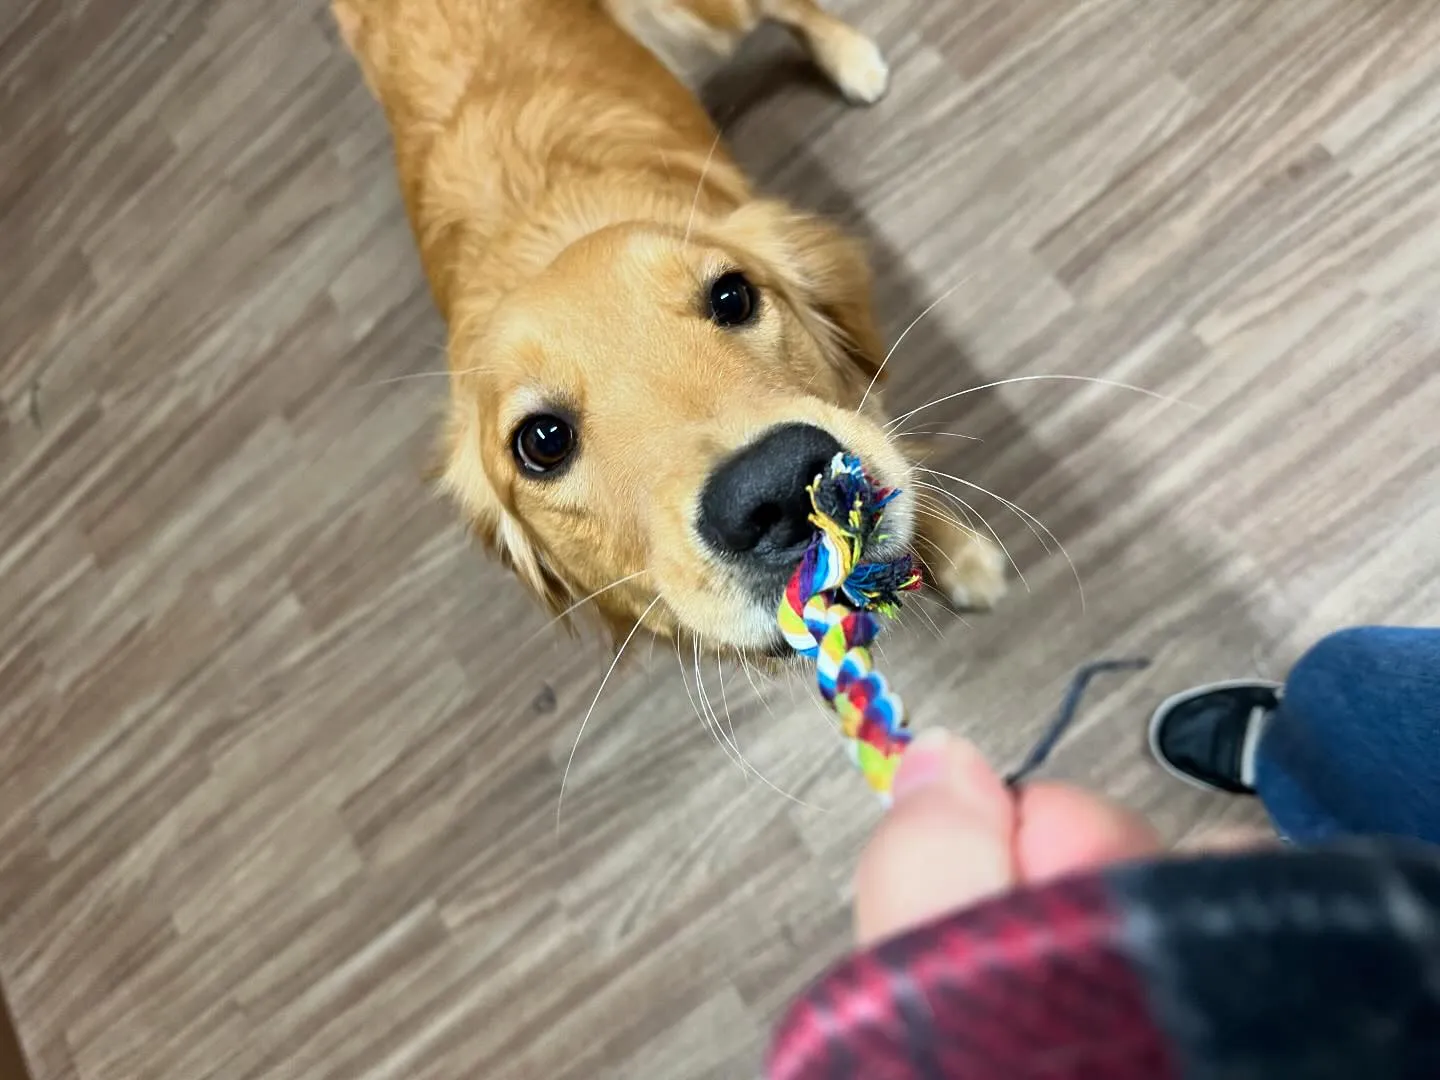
[648, 362]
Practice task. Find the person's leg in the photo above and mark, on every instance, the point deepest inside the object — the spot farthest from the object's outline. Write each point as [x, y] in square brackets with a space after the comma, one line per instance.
[1349, 746]
[1354, 746]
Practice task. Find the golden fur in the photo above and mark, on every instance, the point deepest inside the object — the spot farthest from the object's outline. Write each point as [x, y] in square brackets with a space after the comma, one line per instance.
[571, 203]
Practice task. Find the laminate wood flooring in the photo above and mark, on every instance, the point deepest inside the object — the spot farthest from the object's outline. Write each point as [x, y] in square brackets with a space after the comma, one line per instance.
[279, 756]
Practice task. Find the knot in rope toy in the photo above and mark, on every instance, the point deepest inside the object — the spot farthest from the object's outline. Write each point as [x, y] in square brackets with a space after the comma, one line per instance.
[831, 613]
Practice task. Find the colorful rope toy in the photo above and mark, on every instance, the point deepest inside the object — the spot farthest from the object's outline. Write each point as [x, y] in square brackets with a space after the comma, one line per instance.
[831, 613]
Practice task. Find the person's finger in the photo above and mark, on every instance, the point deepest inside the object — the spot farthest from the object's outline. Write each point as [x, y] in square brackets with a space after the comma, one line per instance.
[945, 842]
[1063, 830]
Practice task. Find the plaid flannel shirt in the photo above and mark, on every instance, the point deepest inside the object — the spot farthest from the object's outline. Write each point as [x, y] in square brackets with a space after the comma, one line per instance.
[1286, 965]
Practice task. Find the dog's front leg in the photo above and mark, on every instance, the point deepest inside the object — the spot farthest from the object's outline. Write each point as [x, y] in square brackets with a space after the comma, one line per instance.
[964, 565]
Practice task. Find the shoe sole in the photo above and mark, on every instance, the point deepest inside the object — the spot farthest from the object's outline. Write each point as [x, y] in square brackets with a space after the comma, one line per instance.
[1187, 695]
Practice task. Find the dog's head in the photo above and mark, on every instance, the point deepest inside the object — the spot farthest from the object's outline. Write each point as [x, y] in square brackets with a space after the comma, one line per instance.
[652, 408]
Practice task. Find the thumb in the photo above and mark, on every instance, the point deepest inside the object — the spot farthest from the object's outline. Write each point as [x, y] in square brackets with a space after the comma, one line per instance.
[946, 842]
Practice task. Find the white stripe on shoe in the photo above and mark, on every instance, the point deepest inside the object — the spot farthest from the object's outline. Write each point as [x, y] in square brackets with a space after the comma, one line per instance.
[1254, 729]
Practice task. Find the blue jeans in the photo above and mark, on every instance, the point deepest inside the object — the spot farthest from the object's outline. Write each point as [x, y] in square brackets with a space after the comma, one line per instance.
[1354, 748]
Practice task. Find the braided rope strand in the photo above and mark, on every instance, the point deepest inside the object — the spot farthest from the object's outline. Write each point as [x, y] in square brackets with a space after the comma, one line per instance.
[831, 613]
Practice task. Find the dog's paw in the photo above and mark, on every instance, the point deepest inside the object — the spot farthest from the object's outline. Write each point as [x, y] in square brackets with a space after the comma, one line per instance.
[855, 64]
[973, 578]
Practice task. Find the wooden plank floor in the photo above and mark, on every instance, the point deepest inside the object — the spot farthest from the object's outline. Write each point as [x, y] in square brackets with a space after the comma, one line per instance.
[279, 757]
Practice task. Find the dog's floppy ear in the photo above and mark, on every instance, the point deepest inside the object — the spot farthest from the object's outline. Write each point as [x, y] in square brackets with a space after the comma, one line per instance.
[825, 273]
[461, 474]
[355, 32]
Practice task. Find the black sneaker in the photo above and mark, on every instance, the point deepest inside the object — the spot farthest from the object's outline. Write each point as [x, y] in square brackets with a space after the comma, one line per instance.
[1207, 736]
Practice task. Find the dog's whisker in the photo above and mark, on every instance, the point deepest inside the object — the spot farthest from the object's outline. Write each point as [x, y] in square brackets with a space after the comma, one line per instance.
[921, 433]
[929, 575]
[708, 720]
[925, 511]
[747, 668]
[927, 582]
[582, 602]
[1031, 521]
[720, 673]
[968, 509]
[712, 726]
[712, 720]
[942, 601]
[685, 682]
[944, 518]
[565, 776]
[929, 572]
[1044, 543]
[922, 498]
[938, 550]
[924, 614]
[446, 374]
[934, 627]
[828, 719]
[401, 378]
[1038, 528]
[769, 676]
[925, 565]
[913, 323]
[958, 509]
[729, 717]
[699, 186]
[1042, 378]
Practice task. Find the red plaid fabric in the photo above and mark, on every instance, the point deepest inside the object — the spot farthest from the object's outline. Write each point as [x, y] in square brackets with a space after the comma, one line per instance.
[1292, 965]
[1032, 985]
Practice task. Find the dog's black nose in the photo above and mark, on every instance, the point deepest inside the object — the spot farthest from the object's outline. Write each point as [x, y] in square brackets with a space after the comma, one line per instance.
[757, 503]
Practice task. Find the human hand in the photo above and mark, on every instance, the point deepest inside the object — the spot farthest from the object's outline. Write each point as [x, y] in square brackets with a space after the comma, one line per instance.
[956, 834]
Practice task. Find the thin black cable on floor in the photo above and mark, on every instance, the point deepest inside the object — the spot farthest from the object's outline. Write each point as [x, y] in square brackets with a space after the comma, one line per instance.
[1069, 706]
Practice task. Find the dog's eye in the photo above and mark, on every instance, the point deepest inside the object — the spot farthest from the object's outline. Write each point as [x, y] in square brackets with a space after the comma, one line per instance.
[543, 443]
[733, 300]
